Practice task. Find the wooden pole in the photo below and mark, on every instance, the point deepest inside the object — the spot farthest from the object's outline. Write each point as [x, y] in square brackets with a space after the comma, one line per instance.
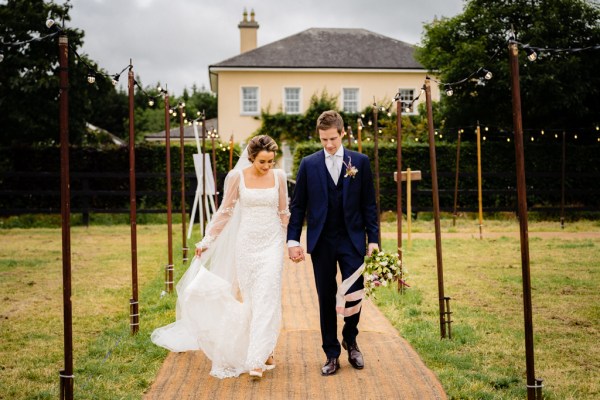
[66, 375]
[436, 208]
[204, 218]
[399, 187]
[376, 151]
[534, 387]
[359, 135]
[170, 265]
[349, 136]
[479, 182]
[456, 180]
[231, 153]
[182, 174]
[409, 206]
[214, 165]
[134, 320]
[562, 181]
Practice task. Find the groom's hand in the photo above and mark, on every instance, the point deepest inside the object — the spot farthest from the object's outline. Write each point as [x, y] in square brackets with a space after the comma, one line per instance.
[296, 254]
[371, 248]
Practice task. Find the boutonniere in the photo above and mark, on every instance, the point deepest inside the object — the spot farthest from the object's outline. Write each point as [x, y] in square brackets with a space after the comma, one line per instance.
[351, 170]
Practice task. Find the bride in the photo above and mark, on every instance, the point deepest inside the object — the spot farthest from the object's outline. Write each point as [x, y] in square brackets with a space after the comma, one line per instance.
[229, 299]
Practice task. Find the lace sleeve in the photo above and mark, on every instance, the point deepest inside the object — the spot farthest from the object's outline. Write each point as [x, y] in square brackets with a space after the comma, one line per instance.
[284, 210]
[225, 211]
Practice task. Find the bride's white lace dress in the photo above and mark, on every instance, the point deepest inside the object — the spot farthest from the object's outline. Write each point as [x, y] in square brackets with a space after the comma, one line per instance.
[236, 329]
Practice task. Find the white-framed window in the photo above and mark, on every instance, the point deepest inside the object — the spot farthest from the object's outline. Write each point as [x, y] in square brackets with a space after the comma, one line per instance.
[350, 100]
[291, 100]
[407, 96]
[250, 100]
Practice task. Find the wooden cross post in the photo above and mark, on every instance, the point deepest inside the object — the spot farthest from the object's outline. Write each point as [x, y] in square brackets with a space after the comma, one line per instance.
[408, 176]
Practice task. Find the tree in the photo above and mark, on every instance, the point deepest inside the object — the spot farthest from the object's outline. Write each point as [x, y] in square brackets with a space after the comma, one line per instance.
[560, 89]
[29, 79]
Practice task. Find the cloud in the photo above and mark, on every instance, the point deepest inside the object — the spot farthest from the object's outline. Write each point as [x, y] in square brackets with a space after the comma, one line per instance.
[173, 42]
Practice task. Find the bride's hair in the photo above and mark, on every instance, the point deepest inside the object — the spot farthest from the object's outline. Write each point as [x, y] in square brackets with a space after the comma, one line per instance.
[261, 143]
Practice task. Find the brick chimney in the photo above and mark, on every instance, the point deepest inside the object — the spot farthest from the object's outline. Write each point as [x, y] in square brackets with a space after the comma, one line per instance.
[248, 32]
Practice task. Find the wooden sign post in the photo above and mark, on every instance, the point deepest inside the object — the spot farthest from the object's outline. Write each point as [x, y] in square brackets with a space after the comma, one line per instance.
[408, 176]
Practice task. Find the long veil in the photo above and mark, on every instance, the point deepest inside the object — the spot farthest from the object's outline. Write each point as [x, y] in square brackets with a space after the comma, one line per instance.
[209, 317]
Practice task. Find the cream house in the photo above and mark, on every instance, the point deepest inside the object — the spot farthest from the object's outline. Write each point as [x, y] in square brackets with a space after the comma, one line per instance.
[354, 64]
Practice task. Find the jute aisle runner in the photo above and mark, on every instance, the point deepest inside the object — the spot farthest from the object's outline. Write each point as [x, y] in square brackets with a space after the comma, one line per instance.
[393, 370]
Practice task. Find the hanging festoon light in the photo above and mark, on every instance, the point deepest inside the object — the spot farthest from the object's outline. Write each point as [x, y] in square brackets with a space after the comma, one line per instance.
[486, 74]
[531, 54]
[449, 91]
[115, 79]
[91, 77]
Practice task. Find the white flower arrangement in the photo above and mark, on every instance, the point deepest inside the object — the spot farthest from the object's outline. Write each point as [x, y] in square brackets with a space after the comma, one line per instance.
[382, 269]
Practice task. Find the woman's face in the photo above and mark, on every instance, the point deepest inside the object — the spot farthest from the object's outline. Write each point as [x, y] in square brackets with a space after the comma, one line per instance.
[264, 161]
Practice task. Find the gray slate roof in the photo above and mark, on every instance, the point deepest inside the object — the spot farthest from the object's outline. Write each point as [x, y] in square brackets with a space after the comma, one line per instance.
[329, 48]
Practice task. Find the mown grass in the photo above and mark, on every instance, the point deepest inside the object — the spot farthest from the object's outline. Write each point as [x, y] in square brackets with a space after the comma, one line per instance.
[109, 363]
[484, 360]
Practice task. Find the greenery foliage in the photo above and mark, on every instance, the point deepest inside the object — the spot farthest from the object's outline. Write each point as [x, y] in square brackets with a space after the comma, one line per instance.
[40, 189]
[542, 163]
[29, 85]
[556, 89]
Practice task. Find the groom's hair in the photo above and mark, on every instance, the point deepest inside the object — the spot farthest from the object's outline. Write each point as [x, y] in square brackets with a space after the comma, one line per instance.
[330, 119]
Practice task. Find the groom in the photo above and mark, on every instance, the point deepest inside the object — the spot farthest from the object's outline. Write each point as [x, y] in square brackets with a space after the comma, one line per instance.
[334, 191]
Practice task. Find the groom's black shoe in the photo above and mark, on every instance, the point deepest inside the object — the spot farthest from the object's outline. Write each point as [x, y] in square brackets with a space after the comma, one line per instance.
[331, 366]
[355, 357]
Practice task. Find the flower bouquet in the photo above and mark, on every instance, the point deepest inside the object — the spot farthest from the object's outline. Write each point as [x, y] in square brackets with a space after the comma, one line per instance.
[381, 269]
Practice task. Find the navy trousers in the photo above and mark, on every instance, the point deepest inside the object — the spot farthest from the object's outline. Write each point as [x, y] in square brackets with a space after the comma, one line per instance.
[331, 250]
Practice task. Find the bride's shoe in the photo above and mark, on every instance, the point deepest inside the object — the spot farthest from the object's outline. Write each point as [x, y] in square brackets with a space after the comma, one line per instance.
[270, 363]
[256, 374]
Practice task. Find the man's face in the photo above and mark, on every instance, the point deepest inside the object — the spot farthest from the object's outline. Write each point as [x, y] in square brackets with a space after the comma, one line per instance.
[330, 139]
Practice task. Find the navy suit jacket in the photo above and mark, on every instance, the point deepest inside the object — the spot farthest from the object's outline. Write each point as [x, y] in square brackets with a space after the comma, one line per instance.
[310, 200]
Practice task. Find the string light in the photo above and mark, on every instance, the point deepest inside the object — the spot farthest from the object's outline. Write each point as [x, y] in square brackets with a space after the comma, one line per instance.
[531, 54]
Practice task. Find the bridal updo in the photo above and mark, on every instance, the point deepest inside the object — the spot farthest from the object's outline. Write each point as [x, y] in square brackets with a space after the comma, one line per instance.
[261, 143]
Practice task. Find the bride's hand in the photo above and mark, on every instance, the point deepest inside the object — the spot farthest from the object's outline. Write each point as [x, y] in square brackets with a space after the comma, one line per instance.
[199, 251]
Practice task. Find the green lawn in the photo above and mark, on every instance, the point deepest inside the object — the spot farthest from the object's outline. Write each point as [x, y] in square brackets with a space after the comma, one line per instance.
[485, 358]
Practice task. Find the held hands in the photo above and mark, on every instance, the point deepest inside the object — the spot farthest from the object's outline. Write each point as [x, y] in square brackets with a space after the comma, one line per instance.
[296, 254]
[371, 248]
[199, 251]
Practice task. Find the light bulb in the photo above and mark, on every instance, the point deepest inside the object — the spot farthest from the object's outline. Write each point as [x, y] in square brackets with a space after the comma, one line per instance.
[159, 88]
[508, 139]
[49, 23]
[532, 139]
[531, 54]
[449, 91]
[151, 102]
[484, 138]
[1, 57]
[370, 122]
[407, 109]
[91, 78]
[441, 136]
[182, 104]
[183, 114]
[488, 74]
[575, 136]
[542, 131]
[389, 114]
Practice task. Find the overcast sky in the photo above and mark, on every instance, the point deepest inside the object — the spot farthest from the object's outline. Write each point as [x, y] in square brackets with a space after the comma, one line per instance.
[174, 41]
